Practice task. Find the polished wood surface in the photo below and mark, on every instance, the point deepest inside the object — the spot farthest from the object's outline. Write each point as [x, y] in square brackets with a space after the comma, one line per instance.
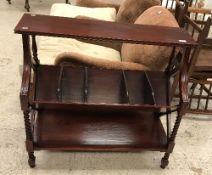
[48, 98]
[112, 89]
[102, 30]
[111, 131]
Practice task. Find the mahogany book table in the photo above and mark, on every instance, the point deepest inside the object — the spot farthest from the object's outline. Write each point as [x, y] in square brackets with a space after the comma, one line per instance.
[91, 109]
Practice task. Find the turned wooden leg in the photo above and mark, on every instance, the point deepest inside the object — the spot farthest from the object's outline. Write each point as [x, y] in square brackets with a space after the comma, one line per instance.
[34, 51]
[67, 2]
[26, 6]
[31, 160]
[165, 160]
[9, 1]
[29, 139]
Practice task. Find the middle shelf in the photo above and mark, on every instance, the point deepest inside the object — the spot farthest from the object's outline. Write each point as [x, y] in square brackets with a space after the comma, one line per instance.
[92, 88]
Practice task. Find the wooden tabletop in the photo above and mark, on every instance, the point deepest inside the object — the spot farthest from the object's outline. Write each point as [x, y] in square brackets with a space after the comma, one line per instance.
[102, 30]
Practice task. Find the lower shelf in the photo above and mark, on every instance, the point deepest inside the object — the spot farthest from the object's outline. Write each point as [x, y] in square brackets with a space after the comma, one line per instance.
[98, 131]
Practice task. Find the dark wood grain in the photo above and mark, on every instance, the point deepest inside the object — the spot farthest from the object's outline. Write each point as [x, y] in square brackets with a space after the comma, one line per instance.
[25, 84]
[101, 30]
[105, 89]
[99, 110]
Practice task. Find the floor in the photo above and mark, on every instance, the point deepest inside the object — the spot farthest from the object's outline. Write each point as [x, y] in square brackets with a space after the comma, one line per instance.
[192, 154]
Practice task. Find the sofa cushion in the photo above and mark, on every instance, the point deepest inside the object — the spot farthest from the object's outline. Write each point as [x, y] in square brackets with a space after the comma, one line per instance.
[130, 10]
[50, 47]
[154, 57]
[71, 11]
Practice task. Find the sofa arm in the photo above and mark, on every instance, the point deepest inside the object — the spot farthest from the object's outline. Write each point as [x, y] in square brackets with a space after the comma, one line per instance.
[97, 3]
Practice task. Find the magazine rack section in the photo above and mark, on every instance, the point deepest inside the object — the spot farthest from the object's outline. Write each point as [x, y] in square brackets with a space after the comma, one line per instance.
[90, 109]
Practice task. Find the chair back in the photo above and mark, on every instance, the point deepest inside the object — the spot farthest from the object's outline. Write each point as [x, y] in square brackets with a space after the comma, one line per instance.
[198, 22]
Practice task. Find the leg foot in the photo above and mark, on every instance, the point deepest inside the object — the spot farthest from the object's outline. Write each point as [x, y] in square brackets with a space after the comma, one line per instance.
[26, 6]
[31, 160]
[67, 2]
[165, 161]
[9, 1]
